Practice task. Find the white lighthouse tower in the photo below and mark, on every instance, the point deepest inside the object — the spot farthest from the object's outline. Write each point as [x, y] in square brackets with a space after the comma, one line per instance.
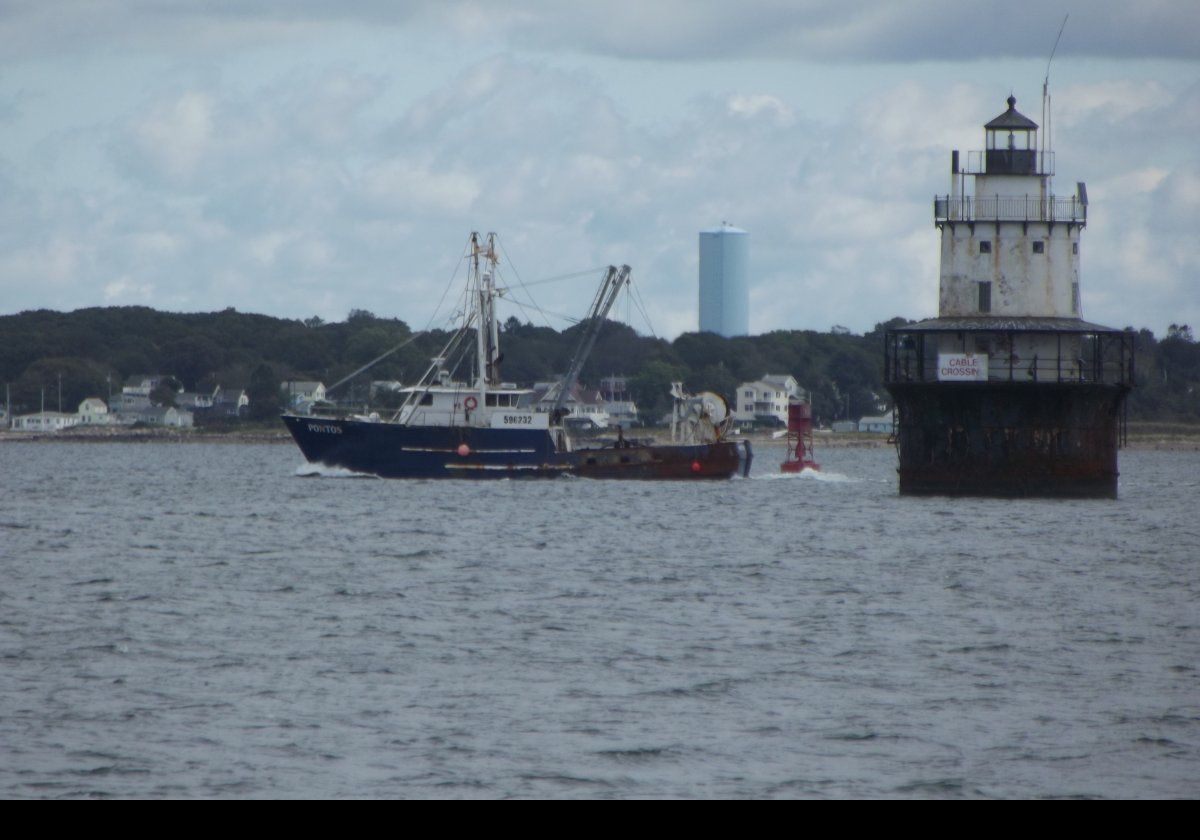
[1017, 252]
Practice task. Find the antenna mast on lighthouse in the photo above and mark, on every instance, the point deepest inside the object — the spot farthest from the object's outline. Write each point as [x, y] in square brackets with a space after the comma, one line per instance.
[1046, 141]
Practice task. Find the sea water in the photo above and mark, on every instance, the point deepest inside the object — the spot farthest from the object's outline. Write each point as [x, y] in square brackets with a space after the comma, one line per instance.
[212, 620]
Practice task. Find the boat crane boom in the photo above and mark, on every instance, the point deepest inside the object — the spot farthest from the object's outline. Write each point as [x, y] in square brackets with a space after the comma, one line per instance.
[614, 281]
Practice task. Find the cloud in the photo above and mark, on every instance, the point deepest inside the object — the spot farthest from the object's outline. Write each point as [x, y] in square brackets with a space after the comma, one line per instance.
[124, 290]
[194, 131]
[761, 104]
[176, 137]
[322, 186]
[186, 26]
[827, 30]
[407, 186]
[1110, 102]
[54, 262]
[666, 30]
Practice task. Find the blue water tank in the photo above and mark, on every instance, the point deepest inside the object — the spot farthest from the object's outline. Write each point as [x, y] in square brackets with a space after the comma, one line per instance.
[725, 281]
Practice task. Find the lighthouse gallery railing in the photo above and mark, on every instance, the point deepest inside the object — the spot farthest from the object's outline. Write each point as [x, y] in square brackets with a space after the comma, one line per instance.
[1009, 208]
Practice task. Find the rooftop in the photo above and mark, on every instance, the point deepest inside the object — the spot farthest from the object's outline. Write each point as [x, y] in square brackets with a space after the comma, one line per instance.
[1012, 118]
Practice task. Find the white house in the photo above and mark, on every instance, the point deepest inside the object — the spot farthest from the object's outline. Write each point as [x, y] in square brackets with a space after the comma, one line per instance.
[157, 415]
[617, 401]
[230, 403]
[93, 411]
[45, 421]
[135, 394]
[584, 407]
[884, 424]
[301, 392]
[192, 400]
[765, 401]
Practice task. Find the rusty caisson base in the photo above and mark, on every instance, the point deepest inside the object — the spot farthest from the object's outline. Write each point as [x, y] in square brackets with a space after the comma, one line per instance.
[1008, 439]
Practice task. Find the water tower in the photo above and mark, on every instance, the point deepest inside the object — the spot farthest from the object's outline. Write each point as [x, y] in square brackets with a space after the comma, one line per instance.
[724, 281]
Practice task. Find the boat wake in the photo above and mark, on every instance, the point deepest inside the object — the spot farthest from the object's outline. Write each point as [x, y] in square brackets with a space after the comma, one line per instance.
[307, 470]
[808, 475]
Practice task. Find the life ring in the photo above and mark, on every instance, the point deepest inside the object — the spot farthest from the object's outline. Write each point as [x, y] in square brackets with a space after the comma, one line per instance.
[470, 403]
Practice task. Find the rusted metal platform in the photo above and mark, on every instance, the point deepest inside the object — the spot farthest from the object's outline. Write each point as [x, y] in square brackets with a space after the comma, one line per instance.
[1048, 427]
[1008, 439]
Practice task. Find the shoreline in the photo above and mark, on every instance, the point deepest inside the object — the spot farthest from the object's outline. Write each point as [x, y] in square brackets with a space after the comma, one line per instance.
[156, 435]
[1155, 436]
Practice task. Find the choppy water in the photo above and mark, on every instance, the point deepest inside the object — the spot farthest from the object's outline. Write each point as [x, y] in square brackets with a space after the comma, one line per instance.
[201, 620]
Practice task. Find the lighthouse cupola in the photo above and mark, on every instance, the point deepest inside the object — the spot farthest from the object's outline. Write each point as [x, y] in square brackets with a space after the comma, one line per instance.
[1011, 147]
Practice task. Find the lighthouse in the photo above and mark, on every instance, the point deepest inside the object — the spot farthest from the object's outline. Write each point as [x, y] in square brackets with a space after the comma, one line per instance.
[1009, 392]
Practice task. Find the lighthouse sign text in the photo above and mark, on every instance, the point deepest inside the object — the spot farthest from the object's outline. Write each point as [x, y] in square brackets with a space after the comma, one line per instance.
[964, 367]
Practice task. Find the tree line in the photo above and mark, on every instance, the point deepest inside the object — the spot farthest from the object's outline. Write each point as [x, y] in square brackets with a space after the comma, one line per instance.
[92, 352]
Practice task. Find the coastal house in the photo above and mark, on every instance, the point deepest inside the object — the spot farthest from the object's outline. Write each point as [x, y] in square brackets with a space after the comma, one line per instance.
[93, 411]
[169, 416]
[130, 402]
[193, 400]
[883, 424]
[584, 406]
[765, 401]
[231, 403]
[44, 421]
[223, 407]
[617, 401]
[302, 394]
[135, 393]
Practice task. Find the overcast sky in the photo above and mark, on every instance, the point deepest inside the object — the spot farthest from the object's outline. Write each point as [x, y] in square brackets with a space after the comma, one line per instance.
[309, 157]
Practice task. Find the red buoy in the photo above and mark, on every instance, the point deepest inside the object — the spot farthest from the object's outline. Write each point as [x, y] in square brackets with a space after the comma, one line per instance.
[695, 466]
[464, 450]
[799, 439]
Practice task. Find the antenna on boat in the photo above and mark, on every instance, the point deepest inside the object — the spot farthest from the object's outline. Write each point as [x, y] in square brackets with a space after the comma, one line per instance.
[1046, 115]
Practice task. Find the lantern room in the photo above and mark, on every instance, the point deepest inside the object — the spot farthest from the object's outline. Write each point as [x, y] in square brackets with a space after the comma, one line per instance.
[1012, 143]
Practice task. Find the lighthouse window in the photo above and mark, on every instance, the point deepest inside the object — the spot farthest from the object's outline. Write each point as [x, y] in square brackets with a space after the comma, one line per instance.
[985, 247]
[1074, 247]
[985, 297]
[1039, 247]
[1075, 298]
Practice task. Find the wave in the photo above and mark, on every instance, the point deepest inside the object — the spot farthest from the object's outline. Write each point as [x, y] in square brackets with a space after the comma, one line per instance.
[807, 475]
[307, 470]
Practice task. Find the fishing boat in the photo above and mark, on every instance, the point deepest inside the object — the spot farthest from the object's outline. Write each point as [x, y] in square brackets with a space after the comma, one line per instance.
[461, 421]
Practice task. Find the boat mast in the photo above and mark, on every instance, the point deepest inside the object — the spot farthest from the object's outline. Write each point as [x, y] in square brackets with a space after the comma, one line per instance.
[473, 301]
[487, 333]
